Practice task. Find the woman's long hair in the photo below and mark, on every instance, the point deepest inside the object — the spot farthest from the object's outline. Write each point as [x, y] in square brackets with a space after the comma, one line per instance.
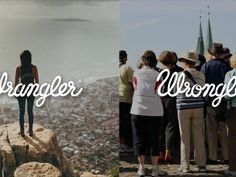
[25, 58]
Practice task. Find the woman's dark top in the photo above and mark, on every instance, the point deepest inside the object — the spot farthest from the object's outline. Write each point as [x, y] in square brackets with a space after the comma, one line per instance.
[26, 74]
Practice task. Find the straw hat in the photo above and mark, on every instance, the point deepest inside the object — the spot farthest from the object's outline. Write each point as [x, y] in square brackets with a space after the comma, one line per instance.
[191, 56]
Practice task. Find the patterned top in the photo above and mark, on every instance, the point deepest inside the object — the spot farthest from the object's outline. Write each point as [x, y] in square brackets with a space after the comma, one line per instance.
[184, 102]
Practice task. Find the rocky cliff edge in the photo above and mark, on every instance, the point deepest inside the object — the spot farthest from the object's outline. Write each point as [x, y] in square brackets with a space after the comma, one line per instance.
[42, 147]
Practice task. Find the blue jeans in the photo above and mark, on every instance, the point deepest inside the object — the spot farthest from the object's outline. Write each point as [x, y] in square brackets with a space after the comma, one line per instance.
[30, 104]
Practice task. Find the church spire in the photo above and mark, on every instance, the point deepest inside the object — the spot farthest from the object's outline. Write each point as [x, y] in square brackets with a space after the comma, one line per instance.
[209, 41]
[200, 42]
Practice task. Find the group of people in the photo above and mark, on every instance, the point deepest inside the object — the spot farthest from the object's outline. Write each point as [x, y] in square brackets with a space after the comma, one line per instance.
[151, 124]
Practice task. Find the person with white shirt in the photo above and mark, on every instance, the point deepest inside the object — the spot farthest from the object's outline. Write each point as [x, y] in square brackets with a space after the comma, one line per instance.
[146, 113]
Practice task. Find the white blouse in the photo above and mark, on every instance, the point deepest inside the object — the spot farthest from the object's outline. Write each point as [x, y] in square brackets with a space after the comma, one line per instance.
[146, 101]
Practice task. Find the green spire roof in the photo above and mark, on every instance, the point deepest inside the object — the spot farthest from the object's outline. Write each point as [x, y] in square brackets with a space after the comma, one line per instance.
[200, 42]
[209, 41]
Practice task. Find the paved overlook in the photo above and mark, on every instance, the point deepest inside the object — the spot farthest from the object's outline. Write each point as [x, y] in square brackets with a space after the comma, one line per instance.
[129, 166]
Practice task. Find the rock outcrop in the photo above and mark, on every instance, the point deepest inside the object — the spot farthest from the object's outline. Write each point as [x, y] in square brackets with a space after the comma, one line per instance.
[87, 174]
[36, 169]
[42, 147]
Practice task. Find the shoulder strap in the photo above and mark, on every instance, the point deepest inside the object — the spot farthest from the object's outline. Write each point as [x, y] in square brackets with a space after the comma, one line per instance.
[189, 75]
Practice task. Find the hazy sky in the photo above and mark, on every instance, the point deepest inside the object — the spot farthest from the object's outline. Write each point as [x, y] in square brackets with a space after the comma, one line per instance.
[80, 37]
[30, 9]
[173, 24]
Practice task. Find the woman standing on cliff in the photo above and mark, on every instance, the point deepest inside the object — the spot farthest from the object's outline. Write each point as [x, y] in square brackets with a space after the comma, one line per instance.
[26, 73]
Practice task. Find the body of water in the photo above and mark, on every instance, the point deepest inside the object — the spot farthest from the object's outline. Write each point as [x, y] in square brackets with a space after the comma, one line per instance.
[77, 40]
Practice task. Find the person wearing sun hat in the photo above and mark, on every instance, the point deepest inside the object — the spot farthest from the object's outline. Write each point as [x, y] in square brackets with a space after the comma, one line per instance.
[214, 71]
[227, 56]
[191, 116]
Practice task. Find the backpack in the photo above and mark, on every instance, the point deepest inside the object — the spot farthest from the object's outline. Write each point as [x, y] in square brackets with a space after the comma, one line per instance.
[26, 75]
